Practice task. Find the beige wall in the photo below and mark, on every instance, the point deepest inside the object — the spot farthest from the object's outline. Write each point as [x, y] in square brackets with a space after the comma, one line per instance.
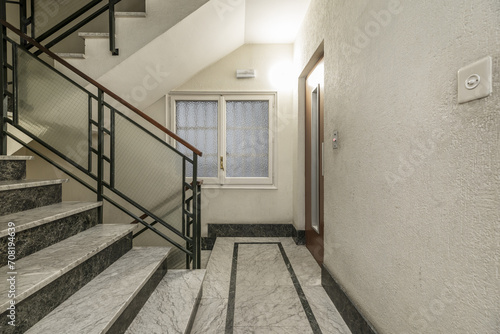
[252, 206]
[412, 199]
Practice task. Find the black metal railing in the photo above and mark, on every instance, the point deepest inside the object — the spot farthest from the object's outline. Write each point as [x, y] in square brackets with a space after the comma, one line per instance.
[111, 146]
[76, 20]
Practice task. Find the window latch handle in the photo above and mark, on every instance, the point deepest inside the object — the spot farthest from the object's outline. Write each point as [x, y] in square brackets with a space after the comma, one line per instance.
[222, 163]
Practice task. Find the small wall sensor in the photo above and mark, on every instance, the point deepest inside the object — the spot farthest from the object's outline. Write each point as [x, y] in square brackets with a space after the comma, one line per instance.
[244, 74]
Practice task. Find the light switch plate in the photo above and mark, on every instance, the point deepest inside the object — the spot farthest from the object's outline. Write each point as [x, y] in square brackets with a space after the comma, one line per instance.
[335, 139]
[474, 80]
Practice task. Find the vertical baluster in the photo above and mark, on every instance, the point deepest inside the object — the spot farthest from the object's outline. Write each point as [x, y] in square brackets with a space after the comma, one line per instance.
[100, 152]
[196, 230]
[184, 207]
[112, 149]
[23, 20]
[32, 19]
[198, 220]
[3, 81]
[15, 86]
[112, 30]
[89, 152]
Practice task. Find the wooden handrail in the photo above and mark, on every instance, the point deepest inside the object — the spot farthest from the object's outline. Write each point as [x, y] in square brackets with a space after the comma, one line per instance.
[101, 87]
[191, 184]
[144, 216]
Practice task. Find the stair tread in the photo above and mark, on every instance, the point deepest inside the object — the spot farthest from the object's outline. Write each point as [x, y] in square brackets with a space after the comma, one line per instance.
[35, 217]
[21, 184]
[172, 305]
[15, 157]
[71, 55]
[37, 270]
[130, 14]
[93, 34]
[95, 307]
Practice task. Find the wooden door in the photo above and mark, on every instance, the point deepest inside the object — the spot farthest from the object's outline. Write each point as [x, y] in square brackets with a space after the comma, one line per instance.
[314, 179]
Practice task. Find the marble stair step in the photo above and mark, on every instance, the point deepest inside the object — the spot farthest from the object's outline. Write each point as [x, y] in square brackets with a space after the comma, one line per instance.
[71, 55]
[88, 35]
[38, 270]
[26, 184]
[39, 216]
[172, 305]
[110, 301]
[20, 195]
[13, 167]
[15, 157]
[42, 227]
[130, 14]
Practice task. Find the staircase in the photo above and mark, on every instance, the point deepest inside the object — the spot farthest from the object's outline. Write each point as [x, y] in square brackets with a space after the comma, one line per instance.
[69, 274]
[134, 30]
[159, 52]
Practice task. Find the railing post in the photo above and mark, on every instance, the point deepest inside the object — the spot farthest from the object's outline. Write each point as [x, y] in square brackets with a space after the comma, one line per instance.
[23, 11]
[112, 32]
[100, 152]
[32, 19]
[196, 222]
[3, 80]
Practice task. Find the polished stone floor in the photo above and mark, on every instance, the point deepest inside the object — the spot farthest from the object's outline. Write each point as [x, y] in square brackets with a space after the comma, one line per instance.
[264, 286]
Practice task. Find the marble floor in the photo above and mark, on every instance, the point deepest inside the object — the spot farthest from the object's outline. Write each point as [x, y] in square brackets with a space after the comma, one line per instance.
[264, 286]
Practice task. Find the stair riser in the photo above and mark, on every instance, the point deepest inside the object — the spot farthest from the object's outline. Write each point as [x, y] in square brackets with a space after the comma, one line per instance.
[12, 170]
[17, 200]
[195, 310]
[35, 239]
[128, 315]
[34, 308]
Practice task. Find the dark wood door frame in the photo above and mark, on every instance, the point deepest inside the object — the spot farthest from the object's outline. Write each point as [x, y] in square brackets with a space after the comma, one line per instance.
[314, 85]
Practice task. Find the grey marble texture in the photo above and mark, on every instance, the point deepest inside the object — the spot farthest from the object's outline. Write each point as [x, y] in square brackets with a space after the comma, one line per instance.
[275, 306]
[261, 265]
[22, 184]
[266, 300]
[12, 170]
[39, 216]
[15, 157]
[205, 256]
[346, 308]
[40, 269]
[250, 230]
[95, 307]
[38, 305]
[171, 305]
[272, 330]
[211, 316]
[17, 200]
[29, 241]
[327, 315]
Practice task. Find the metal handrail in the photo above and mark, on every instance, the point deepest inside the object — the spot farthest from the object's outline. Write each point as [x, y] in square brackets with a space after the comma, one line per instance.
[101, 87]
[191, 213]
[64, 22]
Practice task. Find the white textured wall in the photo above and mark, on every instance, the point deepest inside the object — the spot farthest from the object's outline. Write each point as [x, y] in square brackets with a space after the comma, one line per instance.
[412, 197]
[252, 206]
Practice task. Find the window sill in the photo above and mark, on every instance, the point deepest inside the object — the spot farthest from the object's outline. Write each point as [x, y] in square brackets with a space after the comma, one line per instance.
[240, 186]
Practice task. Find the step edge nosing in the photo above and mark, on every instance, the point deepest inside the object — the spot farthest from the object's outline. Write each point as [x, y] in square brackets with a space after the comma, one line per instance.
[32, 290]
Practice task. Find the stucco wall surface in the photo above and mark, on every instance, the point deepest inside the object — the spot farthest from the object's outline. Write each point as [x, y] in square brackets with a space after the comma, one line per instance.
[412, 196]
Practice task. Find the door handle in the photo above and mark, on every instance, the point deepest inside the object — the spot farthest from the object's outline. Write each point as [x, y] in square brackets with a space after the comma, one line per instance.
[222, 163]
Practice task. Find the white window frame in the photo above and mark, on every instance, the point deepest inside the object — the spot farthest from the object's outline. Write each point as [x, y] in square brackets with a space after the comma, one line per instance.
[223, 181]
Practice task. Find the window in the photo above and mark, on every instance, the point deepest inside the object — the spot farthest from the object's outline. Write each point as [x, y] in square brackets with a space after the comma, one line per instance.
[234, 132]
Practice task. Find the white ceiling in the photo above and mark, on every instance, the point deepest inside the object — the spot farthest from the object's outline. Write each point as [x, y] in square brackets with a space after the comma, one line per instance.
[273, 21]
